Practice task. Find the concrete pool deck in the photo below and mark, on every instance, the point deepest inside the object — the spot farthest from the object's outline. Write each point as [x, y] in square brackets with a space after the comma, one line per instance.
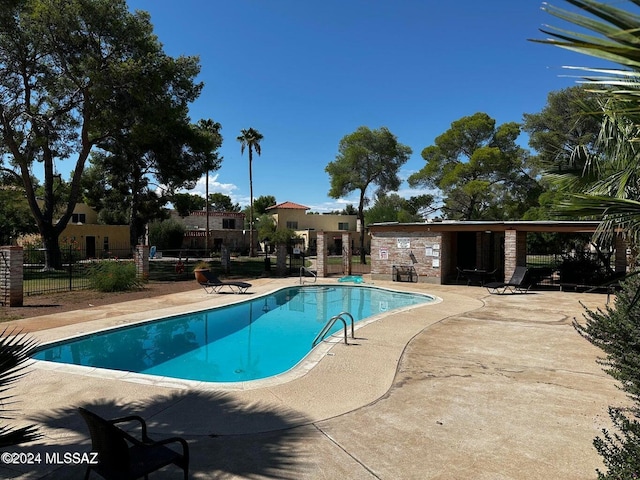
[476, 386]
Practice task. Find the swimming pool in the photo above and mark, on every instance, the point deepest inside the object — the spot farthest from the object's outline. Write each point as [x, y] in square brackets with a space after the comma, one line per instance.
[250, 340]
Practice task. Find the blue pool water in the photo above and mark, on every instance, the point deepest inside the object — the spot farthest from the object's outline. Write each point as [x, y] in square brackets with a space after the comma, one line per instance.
[245, 341]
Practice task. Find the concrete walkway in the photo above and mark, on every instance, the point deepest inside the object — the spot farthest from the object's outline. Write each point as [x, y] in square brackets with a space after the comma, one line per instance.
[476, 386]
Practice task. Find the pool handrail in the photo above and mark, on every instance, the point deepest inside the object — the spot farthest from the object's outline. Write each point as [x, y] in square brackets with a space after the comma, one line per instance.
[313, 274]
[330, 324]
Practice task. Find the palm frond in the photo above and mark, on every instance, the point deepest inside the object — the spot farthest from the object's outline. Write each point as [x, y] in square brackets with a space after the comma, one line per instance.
[15, 352]
[616, 23]
[14, 436]
[615, 214]
[617, 32]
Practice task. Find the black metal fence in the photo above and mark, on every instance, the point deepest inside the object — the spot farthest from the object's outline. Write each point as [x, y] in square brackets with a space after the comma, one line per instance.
[335, 265]
[569, 260]
[167, 266]
[71, 274]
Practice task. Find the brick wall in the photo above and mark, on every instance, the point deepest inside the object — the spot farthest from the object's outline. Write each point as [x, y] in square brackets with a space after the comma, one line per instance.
[423, 250]
[346, 253]
[11, 276]
[321, 259]
[621, 254]
[515, 251]
[142, 261]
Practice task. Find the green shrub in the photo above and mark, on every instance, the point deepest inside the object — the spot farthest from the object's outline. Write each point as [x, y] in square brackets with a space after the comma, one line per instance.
[113, 276]
[616, 331]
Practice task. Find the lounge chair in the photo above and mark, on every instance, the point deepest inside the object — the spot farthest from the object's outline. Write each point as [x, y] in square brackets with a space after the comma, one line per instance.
[123, 456]
[214, 284]
[519, 283]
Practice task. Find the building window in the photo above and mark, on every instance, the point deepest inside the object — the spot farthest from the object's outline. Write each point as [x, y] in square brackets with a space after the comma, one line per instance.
[343, 226]
[105, 244]
[229, 223]
[78, 218]
[292, 225]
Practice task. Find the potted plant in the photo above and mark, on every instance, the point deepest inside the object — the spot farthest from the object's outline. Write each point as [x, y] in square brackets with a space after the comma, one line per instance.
[199, 268]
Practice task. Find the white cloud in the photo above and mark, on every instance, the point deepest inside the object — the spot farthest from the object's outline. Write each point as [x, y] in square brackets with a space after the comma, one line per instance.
[215, 186]
[338, 204]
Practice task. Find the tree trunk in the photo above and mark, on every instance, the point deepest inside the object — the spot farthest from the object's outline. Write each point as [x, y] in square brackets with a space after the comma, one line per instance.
[363, 255]
[52, 255]
[135, 201]
[252, 251]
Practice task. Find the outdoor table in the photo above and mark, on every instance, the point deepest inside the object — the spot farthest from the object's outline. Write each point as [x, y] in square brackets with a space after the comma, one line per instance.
[476, 275]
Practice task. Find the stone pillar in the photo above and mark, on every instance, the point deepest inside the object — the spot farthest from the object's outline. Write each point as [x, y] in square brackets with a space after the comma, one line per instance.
[621, 254]
[346, 253]
[142, 262]
[479, 251]
[281, 260]
[225, 258]
[11, 276]
[321, 259]
[515, 251]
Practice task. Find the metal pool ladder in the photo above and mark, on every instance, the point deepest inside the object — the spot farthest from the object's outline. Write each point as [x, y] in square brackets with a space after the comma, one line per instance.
[330, 324]
[305, 269]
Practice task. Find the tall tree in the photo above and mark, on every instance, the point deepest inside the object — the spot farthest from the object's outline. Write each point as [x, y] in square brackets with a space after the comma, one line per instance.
[564, 136]
[120, 197]
[480, 170]
[219, 202]
[391, 208]
[74, 73]
[367, 158]
[185, 203]
[613, 36]
[129, 163]
[260, 206]
[250, 139]
[212, 162]
[263, 202]
[565, 132]
[349, 210]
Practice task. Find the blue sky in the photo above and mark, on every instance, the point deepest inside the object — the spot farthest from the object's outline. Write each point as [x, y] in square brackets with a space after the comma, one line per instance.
[305, 74]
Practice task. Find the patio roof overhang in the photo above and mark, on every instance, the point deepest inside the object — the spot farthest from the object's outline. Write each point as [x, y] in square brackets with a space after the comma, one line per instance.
[560, 226]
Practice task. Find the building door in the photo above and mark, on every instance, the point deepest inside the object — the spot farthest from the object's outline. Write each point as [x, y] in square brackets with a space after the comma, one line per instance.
[91, 247]
[466, 252]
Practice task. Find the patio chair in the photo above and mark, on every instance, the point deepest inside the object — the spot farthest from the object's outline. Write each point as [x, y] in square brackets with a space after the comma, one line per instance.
[519, 283]
[122, 456]
[460, 275]
[214, 284]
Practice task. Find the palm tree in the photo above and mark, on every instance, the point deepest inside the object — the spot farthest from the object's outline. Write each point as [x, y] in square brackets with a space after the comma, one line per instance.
[213, 163]
[616, 39]
[250, 139]
[612, 194]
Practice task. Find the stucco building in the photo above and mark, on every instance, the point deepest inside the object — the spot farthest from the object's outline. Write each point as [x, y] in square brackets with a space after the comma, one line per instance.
[90, 238]
[225, 228]
[294, 216]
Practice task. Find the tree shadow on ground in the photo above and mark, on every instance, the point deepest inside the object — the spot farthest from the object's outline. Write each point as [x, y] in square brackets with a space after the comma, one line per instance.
[225, 438]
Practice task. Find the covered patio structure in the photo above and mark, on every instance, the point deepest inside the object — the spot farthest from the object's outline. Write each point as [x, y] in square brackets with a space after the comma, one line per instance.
[442, 252]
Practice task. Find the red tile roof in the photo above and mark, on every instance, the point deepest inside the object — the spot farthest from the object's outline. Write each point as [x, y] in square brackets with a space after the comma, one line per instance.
[288, 206]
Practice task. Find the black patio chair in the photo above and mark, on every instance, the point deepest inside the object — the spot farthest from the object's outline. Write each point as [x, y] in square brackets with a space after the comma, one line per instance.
[214, 284]
[122, 456]
[519, 283]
